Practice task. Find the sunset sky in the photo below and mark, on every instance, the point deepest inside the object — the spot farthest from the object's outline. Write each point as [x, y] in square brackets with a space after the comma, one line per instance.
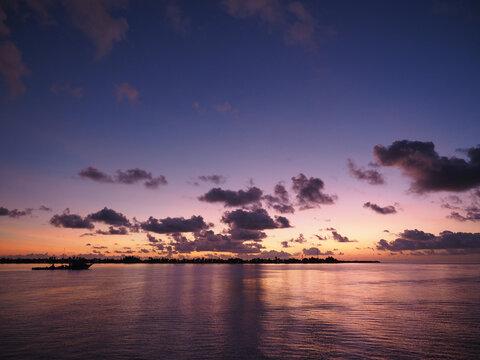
[251, 128]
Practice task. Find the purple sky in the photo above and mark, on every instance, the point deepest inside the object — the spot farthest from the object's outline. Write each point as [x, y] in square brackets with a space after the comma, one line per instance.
[241, 128]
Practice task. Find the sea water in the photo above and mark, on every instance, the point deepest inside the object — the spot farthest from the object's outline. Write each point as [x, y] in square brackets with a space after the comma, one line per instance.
[221, 311]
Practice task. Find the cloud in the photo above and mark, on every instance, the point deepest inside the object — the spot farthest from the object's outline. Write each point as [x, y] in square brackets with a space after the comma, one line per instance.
[300, 239]
[72, 221]
[109, 217]
[12, 68]
[76, 92]
[414, 240]
[175, 225]
[340, 238]
[373, 177]
[44, 208]
[15, 213]
[95, 175]
[246, 234]
[309, 192]
[131, 176]
[269, 11]
[429, 171]
[272, 254]
[233, 198]
[303, 29]
[126, 91]
[94, 19]
[472, 214]
[4, 29]
[313, 251]
[285, 244]
[223, 108]
[215, 179]
[179, 22]
[113, 231]
[257, 219]
[280, 201]
[209, 241]
[381, 210]
[198, 108]
[322, 238]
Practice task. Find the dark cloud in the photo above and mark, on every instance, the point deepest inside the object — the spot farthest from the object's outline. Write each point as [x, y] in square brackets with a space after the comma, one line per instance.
[110, 217]
[257, 219]
[413, 240]
[285, 244]
[113, 231]
[373, 177]
[175, 225]
[340, 238]
[309, 192]
[300, 239]
[313, 251]
[131, 176]
[472, 214]
[72, 221]
[380, 210]
[215, 179]
[209, 241]
[280, 201]
[272, 254]
[95, 175]
[246, 234]
[44, 208]
[153, 239]
[15, 213]
[429, 171]
[233, 198]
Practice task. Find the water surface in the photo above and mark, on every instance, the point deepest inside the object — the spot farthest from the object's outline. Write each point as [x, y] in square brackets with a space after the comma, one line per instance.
[173, 311]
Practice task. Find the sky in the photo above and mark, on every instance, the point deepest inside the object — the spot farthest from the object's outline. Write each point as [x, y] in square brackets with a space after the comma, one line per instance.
[250, 128]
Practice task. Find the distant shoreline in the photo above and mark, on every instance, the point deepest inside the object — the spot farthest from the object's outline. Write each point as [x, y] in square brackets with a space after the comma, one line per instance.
[137, 260]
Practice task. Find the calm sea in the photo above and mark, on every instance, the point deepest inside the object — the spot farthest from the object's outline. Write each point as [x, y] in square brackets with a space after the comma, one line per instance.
[159, 311]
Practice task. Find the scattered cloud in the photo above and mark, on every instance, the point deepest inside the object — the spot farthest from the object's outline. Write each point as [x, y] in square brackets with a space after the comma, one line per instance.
[300, 239]
[343, 239]
[175, 225]
[280, 201]
[269, 11]
[131, 176]
[309, 192]
[12, 68]
[380, 210]
[246, 234]
[126, 91]
[472, 214]
[429, 171]
[15, 213]
[113, 231]
[179, 22]
[94, 18]
[196, 105]
[109, 217]
[414, 240]
[214, 178]
[257, 219]
[303, 29]
[223, 108]
[313, 251]
[233, 198]
[373, 177]
[72, 221]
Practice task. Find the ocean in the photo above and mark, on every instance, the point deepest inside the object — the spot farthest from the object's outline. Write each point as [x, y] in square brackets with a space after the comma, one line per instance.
[220, 311]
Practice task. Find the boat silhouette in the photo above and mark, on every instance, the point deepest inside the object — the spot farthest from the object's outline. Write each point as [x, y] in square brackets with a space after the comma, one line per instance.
[73, 264]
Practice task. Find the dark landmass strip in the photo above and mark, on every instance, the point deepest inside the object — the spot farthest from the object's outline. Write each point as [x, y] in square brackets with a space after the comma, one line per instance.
[202, 260]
